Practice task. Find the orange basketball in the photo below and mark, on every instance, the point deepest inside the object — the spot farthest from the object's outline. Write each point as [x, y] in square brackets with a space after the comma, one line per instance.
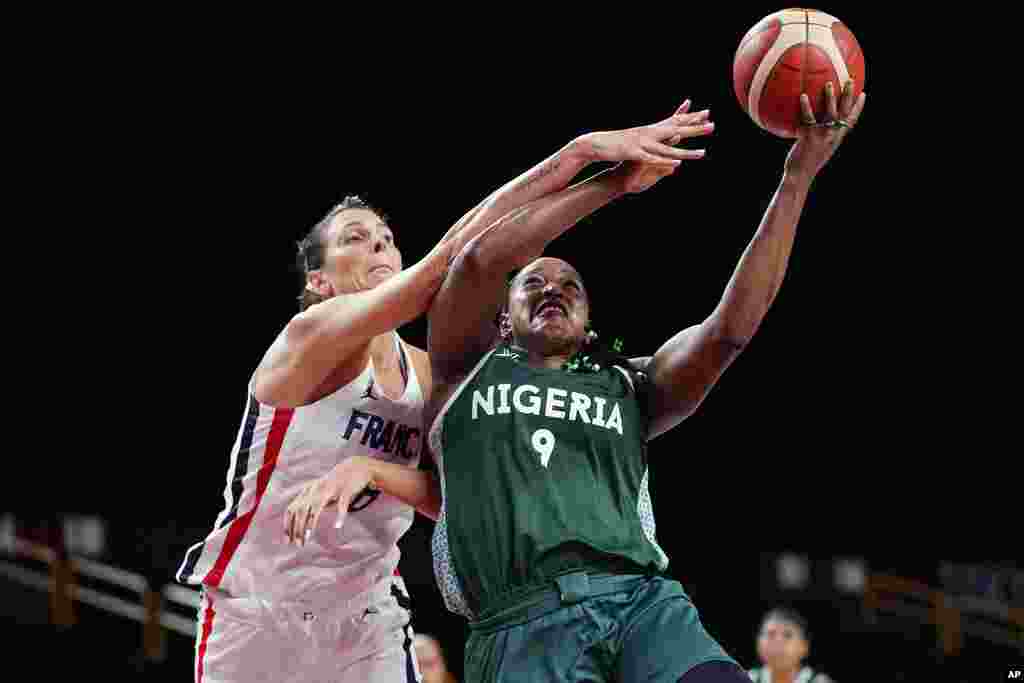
[792, 52]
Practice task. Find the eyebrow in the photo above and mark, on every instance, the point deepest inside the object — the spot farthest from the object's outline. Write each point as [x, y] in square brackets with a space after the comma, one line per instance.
[572, 275]
[362, 225]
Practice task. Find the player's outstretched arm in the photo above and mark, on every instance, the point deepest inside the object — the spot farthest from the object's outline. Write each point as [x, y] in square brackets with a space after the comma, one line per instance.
[318, 340]
[461, 317]
[685, 368]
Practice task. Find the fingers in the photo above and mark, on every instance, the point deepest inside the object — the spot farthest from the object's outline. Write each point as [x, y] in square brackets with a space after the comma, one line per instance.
[699, 117]
[289, 519]
[670, 152]
[317, 510]
[830, 97]
[705, 128]
[666, 152]
[662, 133]
[639, 153]
[682, 111]
[682, 117]
[806, 113]
[858, 107]
[307, 525]
[846, 104]
[853, 115]
[300, 522]
[693, 119]
[300, 513]
[656, 160]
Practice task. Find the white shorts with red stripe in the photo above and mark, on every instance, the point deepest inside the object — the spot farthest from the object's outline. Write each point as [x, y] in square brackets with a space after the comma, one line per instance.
[324, 636]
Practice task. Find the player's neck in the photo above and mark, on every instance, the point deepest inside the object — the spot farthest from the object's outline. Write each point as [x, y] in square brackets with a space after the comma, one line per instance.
[784, 675]
[383, 352]
[550, 359]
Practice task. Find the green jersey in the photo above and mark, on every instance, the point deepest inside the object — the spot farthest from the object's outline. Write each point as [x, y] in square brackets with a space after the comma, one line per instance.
[543, 472]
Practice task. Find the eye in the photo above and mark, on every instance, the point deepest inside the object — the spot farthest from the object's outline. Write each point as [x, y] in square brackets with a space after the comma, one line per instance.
[533, 281]
[575, 285]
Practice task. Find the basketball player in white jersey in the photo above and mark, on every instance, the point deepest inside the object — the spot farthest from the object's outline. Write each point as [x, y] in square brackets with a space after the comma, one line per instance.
[339, 389]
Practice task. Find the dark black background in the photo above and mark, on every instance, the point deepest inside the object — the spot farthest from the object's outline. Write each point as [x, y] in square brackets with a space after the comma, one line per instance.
[190, 161]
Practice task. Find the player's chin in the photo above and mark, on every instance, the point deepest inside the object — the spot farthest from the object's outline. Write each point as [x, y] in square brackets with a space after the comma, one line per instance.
[560, 337]
[377, 276]
[553, 327]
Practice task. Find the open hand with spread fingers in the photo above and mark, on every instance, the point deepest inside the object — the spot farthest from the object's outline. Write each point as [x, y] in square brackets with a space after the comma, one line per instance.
[650, 144]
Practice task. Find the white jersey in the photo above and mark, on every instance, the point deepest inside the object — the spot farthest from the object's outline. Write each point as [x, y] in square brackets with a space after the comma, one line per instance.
[279, 451]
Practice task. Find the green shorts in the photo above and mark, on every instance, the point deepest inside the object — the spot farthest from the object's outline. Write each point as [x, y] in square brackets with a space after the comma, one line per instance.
[593, 627]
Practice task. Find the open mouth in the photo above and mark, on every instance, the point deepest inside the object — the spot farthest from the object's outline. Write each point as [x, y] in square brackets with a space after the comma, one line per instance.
[549, 308]
[381, 270]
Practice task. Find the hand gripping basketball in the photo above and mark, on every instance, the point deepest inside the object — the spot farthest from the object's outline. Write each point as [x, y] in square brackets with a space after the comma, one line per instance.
[818, 141]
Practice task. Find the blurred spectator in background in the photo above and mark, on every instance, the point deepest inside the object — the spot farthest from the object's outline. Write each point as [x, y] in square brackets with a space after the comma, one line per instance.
[783, 643]
[430, 656]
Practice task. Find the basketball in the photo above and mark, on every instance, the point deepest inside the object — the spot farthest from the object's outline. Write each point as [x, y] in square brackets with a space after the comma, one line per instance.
[788, 53]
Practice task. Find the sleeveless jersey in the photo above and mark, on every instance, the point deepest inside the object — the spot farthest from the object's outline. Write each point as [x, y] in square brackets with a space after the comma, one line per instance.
[543, 472]
[806, 675]
[277, 453]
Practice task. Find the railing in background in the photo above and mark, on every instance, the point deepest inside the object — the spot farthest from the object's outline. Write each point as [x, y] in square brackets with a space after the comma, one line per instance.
[62, 581]
[955, 616]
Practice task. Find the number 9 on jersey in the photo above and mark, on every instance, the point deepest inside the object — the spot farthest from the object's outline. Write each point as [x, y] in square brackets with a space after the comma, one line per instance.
[544, 443]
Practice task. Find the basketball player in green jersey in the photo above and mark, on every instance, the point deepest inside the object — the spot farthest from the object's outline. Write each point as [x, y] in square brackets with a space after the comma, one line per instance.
[542, 469]
[546, 539]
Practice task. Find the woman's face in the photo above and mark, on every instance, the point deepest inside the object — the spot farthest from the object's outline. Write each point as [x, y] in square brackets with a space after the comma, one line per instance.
[359, 254]
[548, 307]
[781, 644]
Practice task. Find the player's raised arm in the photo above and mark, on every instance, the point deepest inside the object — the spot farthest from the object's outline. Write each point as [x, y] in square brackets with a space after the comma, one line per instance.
[685, 368]
[462, 316]
[354, 270]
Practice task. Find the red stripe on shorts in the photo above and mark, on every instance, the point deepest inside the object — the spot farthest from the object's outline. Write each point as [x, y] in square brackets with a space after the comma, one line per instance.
[282, 417]
[207, 627]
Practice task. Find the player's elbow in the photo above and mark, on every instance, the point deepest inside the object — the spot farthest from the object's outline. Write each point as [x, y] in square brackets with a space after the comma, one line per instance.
[505, 246]
[731, 335]
[303, 327]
